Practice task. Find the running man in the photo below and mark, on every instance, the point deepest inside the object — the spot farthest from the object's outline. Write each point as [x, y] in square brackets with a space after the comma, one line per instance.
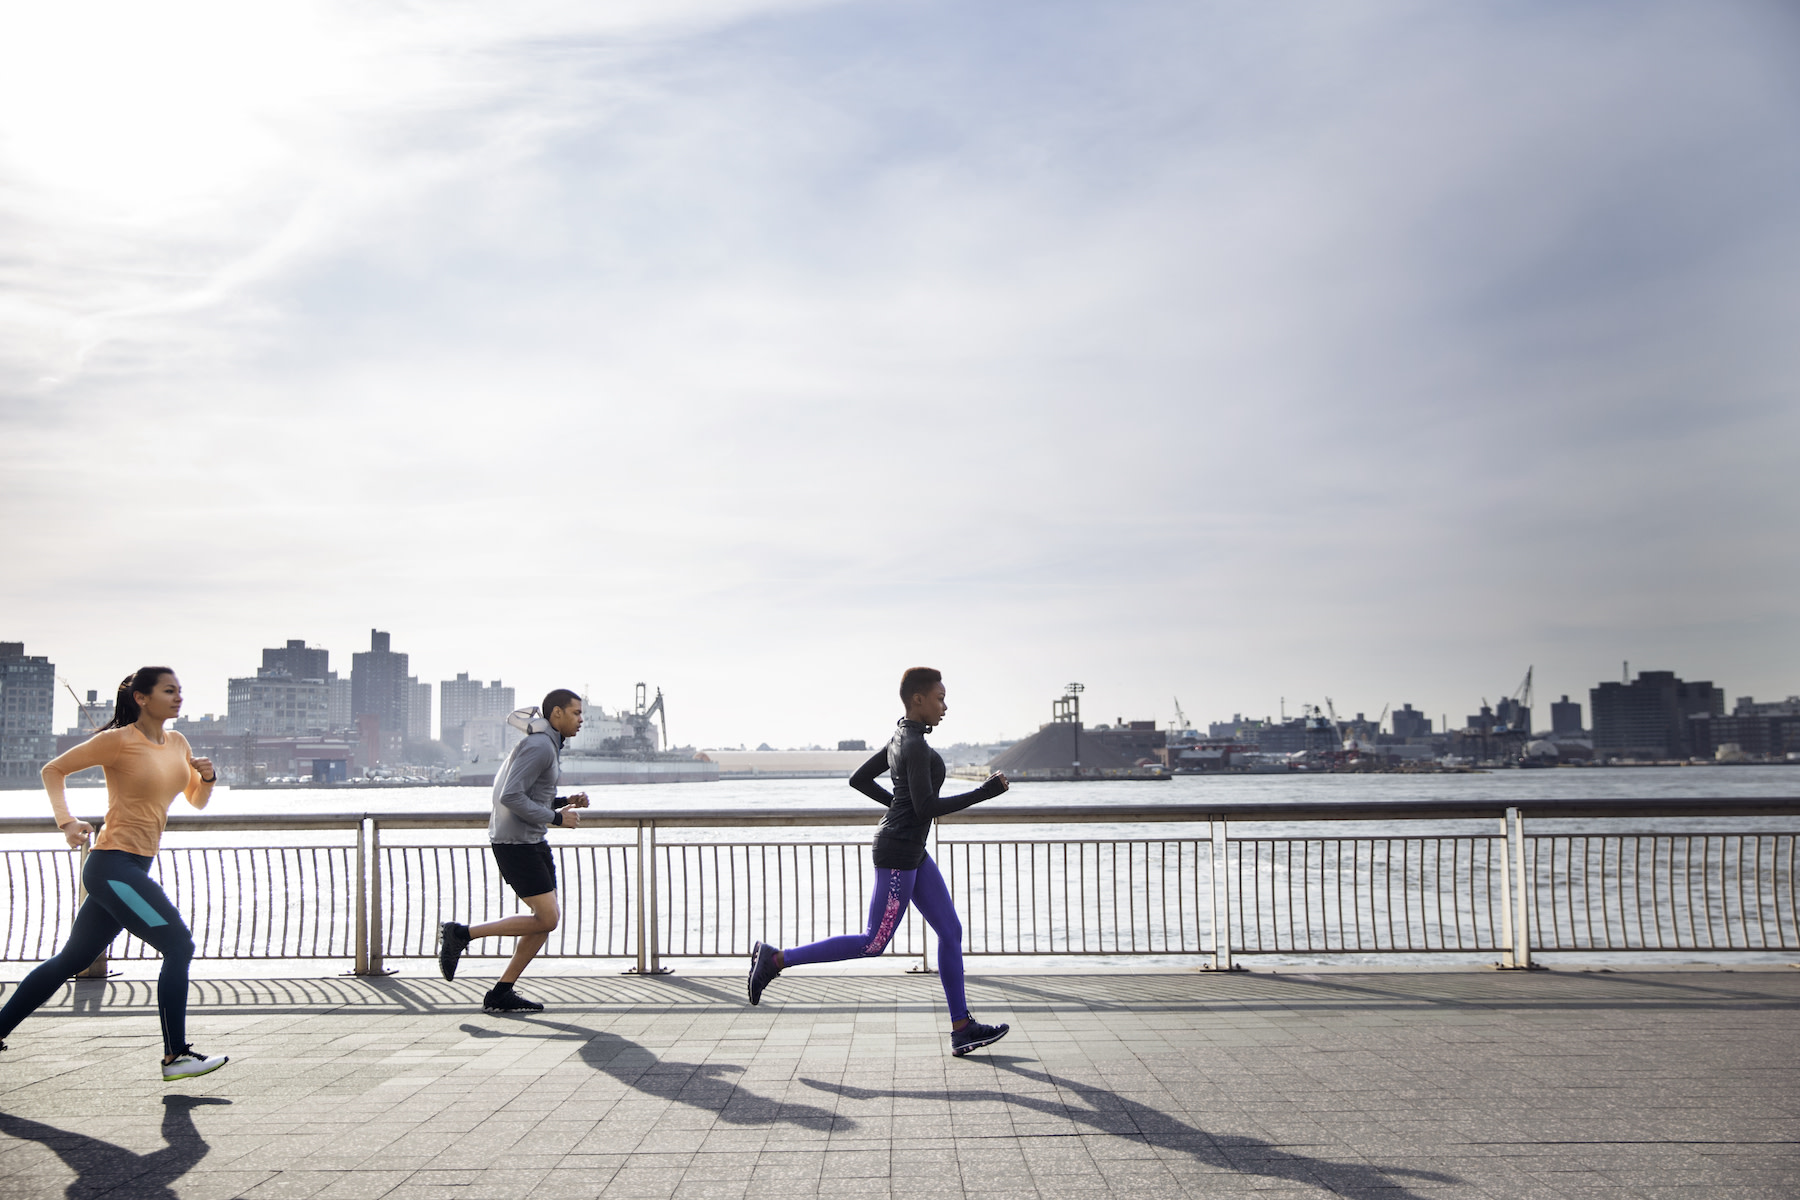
[904, 872]
[146, 767]
[525, 804]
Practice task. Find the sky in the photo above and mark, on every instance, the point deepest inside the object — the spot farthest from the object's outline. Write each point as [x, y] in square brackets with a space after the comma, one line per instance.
[1240, 354]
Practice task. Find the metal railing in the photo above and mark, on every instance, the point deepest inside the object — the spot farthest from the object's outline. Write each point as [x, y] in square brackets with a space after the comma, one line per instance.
[656, 884]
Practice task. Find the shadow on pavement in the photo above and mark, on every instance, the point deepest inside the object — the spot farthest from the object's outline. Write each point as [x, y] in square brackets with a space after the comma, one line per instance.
[700, 1085]
[1108, 1112]
[102, 1168]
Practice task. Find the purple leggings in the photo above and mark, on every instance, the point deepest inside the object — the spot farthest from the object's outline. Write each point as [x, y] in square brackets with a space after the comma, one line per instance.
[923, 888]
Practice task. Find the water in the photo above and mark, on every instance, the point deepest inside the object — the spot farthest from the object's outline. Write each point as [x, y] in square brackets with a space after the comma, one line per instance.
[755, 795]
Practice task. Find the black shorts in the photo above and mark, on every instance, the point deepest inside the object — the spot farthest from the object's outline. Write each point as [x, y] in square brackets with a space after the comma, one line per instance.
[528, 868]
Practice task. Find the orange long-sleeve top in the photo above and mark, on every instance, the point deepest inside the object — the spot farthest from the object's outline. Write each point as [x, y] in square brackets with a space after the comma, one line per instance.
[142, 781]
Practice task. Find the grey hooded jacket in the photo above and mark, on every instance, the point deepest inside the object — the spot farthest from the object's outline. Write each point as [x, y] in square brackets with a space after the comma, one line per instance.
[525, 785]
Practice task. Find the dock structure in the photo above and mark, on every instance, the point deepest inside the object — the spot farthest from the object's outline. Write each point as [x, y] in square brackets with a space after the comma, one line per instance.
[1469, 1084]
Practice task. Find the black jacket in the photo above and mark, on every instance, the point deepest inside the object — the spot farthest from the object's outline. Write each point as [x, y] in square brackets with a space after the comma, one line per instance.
[918, 773]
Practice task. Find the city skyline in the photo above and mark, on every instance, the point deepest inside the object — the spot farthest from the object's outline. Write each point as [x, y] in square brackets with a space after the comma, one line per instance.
[762, 350]
[452, 702]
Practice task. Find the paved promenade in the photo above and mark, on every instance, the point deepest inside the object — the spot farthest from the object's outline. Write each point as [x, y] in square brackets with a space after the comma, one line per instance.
[1478, 1084]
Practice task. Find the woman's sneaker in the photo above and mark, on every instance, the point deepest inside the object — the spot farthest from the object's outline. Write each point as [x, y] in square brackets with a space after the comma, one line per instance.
[451, 943]
[974, 1036]
[762, 970]
[502, 999]
[190, 1062]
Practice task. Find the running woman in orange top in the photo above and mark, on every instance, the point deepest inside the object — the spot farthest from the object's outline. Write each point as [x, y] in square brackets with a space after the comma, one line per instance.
[146, 767]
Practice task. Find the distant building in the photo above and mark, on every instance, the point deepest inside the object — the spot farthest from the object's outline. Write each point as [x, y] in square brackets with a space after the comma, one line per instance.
[27, 701]
[1409, 722]
[1565, 716]
[341, 716]
[298, 660]
[853, 744]
[1132, 741]
[380, 686]
[1237, 729]
[1648, 717]
[273, 703]
[1513, 716]
[1769, 730]
[91, 716]
[418, 712]
[463, 701]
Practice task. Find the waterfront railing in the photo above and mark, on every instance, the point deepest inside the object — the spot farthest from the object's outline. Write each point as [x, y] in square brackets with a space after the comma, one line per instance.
[1205, 883]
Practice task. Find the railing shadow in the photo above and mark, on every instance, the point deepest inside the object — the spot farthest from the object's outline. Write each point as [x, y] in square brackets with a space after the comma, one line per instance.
[704, 1086]
[103, 1169]
[1110, 1113]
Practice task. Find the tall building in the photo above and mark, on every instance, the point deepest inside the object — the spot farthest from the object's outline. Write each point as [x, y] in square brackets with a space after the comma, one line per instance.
[379, 685]
[459, 702]
[1513, 715]
[473, 717]
[27, 700]
[418, 711]
[472, 707]
[1648, 717]
[1565, 716]
[342, 715]
[1409, 722]
[290, 694]
[298, 660]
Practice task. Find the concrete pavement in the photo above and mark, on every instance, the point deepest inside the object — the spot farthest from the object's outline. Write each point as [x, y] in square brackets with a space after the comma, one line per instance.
[1467, 1084]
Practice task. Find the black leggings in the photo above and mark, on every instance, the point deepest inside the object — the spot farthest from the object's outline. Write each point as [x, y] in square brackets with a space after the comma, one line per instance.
[120, 895]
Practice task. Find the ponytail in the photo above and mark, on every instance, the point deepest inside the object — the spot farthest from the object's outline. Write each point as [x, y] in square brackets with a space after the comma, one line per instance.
[125, 705]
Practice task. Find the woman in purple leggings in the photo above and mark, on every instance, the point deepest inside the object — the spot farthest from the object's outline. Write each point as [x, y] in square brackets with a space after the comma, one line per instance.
[904, 873]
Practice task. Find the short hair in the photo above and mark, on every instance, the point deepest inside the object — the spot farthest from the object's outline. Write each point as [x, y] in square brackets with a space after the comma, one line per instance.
[557, 699]
[917, 681]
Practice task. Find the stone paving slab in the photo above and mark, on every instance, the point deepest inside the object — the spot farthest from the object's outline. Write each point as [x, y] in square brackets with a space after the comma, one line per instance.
[1479, 1084]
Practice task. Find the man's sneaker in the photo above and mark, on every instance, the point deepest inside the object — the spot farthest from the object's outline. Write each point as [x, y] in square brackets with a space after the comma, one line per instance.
[974, 1036]
[502, 999]
[452, 941]
[762, 970]
[190, 1062]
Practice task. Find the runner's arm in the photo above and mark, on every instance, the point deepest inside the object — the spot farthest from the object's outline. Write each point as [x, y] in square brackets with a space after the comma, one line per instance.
[864, 779]
[98, 751]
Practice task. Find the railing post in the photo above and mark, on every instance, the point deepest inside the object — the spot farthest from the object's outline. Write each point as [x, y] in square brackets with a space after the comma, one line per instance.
[656, 967]
[362, 901]
[1508, 955]
[1522, 942]
[1218, 832]
[375, 906]
[97, 968]
[648, 958]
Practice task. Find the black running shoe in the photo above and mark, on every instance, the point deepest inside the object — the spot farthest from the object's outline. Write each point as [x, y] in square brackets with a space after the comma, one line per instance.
[974, 1036]
[508, 1001]
[452, 941]
[762, 970]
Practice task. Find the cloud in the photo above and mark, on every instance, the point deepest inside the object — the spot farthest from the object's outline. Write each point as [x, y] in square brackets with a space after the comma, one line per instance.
[1181, 348]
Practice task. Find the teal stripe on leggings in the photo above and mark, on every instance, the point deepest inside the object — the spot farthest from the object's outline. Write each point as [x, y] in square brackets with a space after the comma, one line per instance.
[138, 904]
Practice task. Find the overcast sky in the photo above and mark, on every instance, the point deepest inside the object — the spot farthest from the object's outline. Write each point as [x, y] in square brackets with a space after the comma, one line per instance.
[1224, 352]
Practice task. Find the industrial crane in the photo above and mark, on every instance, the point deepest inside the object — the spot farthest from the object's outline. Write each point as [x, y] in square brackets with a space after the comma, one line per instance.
[1180, 717]
[641, 718]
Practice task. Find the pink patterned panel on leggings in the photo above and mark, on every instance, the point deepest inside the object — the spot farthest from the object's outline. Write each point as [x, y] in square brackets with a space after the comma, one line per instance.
[890, 916]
